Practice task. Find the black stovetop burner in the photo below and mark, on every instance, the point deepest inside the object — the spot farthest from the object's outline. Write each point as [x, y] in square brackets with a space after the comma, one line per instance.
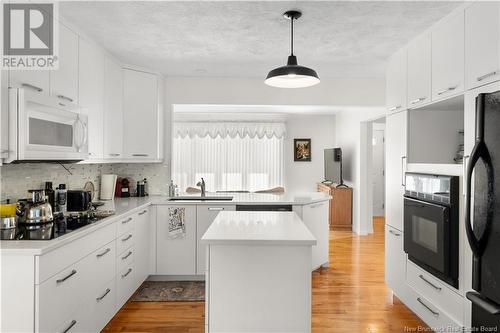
[50, 230]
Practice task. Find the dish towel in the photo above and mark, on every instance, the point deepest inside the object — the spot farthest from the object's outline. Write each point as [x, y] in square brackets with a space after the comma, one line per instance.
[176, 222]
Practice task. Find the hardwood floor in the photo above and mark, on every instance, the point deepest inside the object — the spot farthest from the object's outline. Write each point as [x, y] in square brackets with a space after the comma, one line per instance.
[349, 296]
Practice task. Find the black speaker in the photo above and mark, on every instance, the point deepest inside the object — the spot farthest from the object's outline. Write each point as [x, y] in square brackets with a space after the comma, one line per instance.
[337, 154]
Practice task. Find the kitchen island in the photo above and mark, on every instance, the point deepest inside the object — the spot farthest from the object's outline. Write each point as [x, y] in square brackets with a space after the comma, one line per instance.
[258, 276]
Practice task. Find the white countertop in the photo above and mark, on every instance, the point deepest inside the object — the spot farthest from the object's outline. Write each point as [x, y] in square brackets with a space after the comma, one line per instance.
[122, 206]
[258, 228]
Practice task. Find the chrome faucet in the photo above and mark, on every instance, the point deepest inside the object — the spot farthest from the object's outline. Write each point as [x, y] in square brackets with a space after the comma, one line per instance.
[202, 185]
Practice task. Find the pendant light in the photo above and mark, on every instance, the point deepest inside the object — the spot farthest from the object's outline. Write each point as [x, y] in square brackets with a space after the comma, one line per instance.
[292, 75]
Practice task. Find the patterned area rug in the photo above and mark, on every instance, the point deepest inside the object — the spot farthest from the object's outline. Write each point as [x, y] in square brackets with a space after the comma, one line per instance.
[170, 291]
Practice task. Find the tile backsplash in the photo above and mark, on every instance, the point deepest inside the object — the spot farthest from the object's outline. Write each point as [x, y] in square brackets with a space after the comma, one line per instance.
[17, 179]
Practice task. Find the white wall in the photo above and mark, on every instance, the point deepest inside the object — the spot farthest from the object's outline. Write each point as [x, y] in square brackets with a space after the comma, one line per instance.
[303, 176]
[353, 135]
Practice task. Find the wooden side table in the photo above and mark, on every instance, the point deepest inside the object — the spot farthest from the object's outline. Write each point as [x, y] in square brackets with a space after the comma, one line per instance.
[340, 206]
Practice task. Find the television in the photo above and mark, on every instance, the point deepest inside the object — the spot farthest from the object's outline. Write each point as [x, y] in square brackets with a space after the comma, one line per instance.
[333, 167]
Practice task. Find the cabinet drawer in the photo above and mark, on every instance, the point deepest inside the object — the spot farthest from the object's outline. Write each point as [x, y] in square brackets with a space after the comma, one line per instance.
[436, 291]
[102, 266]
[125, 285]
[125, 259]
[125, 224]
[53, 262]
[125, 241]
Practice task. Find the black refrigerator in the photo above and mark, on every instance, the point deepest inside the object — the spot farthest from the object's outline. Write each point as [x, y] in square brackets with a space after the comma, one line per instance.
[482, 218]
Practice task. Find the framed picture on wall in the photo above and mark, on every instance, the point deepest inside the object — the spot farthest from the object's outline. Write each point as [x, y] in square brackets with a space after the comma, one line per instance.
[302, 150]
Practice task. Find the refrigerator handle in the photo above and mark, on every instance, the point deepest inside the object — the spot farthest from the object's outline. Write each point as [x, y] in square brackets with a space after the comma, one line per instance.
[483, 302]
[473, 241]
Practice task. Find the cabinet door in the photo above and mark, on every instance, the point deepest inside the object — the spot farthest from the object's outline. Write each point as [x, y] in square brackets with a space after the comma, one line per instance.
[34, 80]
[113, 110]
[142, 246]
[176, 255]
[419, 71]
[205, 215]
[64, 80]
[140, 115]
[395, 260]
[396, 82]
[482, 43]
[448, 57]
[315, 217]
[396, 129]
[91, 94]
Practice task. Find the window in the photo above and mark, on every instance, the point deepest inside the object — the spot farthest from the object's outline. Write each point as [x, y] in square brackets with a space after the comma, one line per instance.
[240, 160]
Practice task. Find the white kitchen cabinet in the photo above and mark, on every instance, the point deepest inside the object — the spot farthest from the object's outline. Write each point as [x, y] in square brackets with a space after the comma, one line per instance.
[396, 81]
[419, 71]
[64, 79]
[113, 109]
[315, 217]
[143, 245]
[4, 115]
[125, 284]
[396, 160]
[448, 57]
[34, 80]
[205, 215]
[482, 43]
[395, 260]
[141, 115]
[176, 256]
[91, 95]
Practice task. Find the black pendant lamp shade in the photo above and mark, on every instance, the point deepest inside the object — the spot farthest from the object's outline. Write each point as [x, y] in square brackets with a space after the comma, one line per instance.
[292, 75]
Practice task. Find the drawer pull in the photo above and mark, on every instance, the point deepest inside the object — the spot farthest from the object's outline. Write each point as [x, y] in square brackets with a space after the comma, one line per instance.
[430, 283]
[415, 101]
[127, 238]
[73, 272]
[127, 220]
[27, 85]
[427, 307]
[143, 212]
[114, 154]
[128, 272]
[216, 208]
[100, 298]
[70, 326]
[127, 255]
[447, 90]
[65, 98]
[394, 108]
[103, 253]
[395, 233]
[140, 155]
[485, 76]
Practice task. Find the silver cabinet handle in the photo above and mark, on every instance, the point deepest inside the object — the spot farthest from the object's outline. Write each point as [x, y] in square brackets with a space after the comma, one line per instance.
[128, 272]
[143, 212]
[415, 101]
[73, 272]
[127, 220]
[403, 180]
[127, 255]
[427, 307]
[397, 234]
[464, 181]
[103, 253]
[140, 155]
[127, 238]
[216, 208]
[100, 298]
[394, 108]
[485, 76]
[429, 283]
[65, 98]
[27, 85]
[70, 326]
[447, 90]
[114, 154]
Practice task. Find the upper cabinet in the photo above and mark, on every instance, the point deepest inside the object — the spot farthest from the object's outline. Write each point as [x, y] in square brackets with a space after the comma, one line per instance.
[448, 57]
[419, 71]
[482, 43]
[396, 82]
[113, 110]
[64, 80]
[141, 116]
[91, 94]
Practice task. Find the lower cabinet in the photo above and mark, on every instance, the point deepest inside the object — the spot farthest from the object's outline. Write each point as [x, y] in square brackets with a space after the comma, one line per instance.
[125, 284]
[395, 260]
[176, 246]
[315, 217]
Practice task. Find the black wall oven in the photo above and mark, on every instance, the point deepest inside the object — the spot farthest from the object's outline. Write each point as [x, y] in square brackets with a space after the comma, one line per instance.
[431, 224]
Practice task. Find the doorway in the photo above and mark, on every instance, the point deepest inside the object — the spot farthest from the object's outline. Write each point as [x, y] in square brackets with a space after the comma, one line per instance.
[378, 167]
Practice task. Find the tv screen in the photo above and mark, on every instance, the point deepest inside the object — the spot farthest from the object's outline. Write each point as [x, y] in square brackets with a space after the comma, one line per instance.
[333, 165]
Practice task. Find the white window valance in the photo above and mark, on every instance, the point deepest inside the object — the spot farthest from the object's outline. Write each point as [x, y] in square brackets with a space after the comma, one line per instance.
[229, 129]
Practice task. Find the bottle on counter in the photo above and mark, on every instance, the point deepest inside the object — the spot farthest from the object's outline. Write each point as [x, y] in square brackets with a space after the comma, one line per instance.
[62, 195]
[171, 189]
[146, 187]
[176, 190]
[51, 196]
[140, 189]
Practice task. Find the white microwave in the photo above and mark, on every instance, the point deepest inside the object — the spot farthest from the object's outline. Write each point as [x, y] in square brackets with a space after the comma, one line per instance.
[43, 128]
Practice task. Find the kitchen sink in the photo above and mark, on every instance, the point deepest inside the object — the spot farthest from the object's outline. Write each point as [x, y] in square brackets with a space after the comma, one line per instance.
[193, 198]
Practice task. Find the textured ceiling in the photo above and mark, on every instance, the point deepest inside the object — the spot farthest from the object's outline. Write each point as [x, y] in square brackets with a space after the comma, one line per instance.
[247, 39]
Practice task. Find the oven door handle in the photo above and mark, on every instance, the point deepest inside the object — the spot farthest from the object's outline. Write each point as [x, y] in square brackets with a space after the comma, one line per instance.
[483, 302]
[425, 203]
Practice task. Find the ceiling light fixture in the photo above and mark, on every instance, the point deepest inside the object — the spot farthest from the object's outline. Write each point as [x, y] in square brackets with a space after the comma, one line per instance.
[292, 75]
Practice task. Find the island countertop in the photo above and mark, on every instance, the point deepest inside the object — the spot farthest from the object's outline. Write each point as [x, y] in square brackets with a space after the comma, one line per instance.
[258, 228]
